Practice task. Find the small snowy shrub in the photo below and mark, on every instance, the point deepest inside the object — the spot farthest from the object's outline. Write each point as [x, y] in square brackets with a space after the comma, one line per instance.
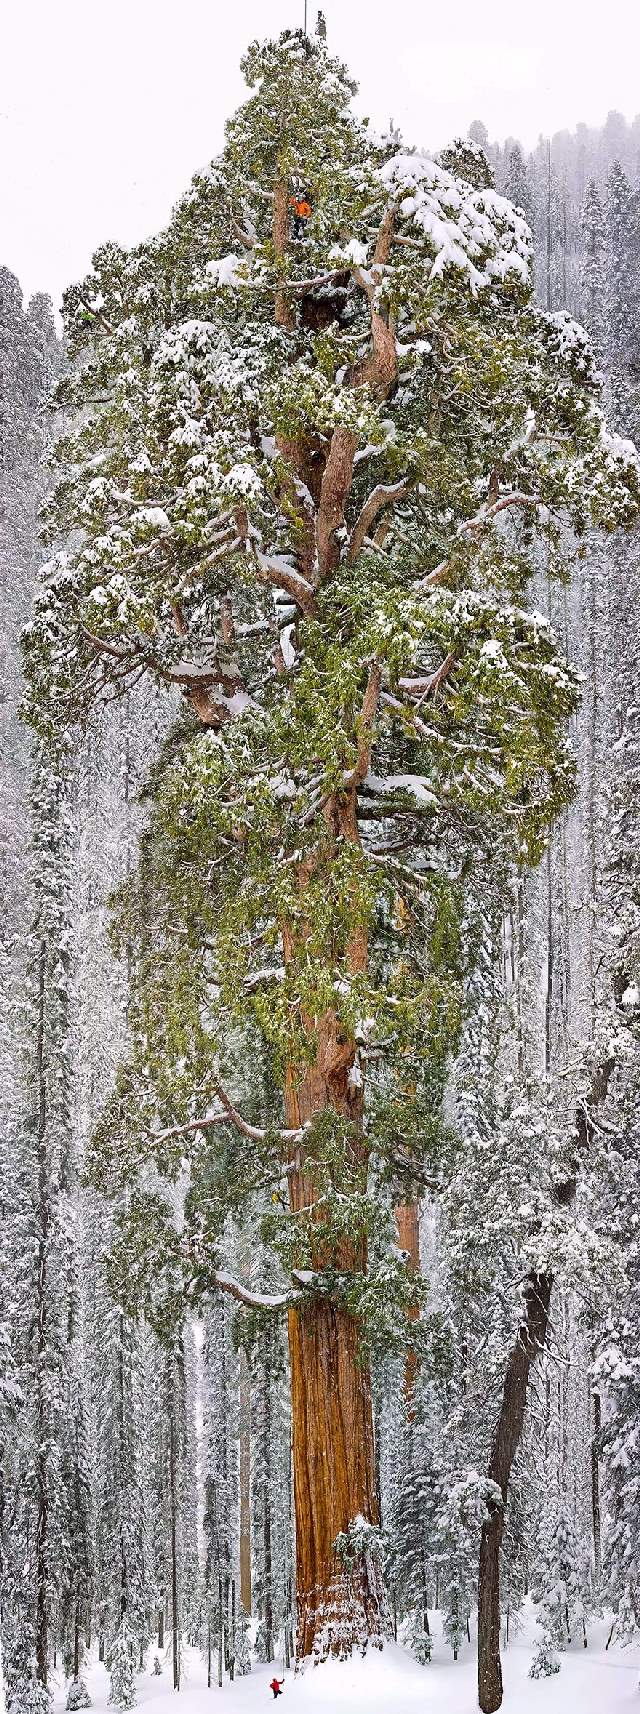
[418, 1640]
[545, 1663]
[78, 1695]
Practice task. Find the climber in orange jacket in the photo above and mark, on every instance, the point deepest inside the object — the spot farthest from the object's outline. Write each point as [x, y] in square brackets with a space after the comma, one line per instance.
[302, 210]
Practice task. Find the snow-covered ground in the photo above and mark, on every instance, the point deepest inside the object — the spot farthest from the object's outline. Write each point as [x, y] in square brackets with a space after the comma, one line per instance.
[590, 1681]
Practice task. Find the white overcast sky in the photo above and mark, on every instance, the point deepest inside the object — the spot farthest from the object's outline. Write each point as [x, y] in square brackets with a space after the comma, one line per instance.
[108, 106]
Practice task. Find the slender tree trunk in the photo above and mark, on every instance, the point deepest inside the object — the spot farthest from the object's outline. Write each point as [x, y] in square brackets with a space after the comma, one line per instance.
[549, 227]
[175, 1626]
[529, 1343]
[160, 1627]
[266, 1520]
[245, 1483]
[232, 1632]
[42, 1472]
[595, 1489]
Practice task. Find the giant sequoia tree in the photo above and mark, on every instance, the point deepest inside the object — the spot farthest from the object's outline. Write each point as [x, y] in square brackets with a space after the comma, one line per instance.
[305, 485]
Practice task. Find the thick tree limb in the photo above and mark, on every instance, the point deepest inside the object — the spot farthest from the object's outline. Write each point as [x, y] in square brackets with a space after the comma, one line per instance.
[423, 687]
[254, 1299]
[96, 314]
[334, 493]
[384, 495]
[358, 774]
[254, 1132]
[102, 647]
[379, 369]
[284, 577]
[228, 1116]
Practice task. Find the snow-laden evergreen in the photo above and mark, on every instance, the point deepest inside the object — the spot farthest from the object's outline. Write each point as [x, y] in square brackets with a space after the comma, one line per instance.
[140, 1463]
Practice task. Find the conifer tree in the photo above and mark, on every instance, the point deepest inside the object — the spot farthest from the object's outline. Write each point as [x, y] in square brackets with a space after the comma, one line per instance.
[560, 1585]
[593, 273]
[516, 185]
[306, 480]
[622, 321]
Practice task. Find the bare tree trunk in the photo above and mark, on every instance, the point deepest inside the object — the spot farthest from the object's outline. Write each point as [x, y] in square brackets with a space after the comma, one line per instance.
[245, 1483]
[232, 1632]
[175, 1624]
[334, 1468]
[595, 1488]
[42, 1473]
[266, 1520]
[532, 1334]
[334, 1478]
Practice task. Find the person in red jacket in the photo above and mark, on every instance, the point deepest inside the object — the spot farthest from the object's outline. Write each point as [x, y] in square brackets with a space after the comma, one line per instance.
[276, 1686]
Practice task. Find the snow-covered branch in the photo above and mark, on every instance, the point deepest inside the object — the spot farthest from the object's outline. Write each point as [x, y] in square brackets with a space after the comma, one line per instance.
[385, 494]
[254, 1299]
[228, 1115]
[475, 527]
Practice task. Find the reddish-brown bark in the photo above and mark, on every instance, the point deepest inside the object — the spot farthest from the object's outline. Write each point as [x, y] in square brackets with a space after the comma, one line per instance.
[408, 1230]
[332, 1418]
[334, 1471]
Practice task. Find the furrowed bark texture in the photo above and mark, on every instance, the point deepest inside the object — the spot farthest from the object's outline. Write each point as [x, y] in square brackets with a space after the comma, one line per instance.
[529, 1343]
[408, 1230]
[334, 1470]
[334, 1473]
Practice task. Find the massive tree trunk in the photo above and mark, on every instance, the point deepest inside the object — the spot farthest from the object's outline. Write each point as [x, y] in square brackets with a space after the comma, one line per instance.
[334, 1468]
[529, 1343]
[334, 1481]
[334, 1471]
[408, 1229]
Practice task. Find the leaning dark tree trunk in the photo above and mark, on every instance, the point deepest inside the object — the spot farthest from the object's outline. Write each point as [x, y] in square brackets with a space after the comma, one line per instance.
[529, 1343]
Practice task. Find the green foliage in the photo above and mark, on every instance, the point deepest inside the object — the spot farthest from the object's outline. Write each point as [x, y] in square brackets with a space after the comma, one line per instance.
[307, 856]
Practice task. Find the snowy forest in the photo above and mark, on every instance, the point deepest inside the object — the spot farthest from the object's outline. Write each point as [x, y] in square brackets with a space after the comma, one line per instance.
[320, 942]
